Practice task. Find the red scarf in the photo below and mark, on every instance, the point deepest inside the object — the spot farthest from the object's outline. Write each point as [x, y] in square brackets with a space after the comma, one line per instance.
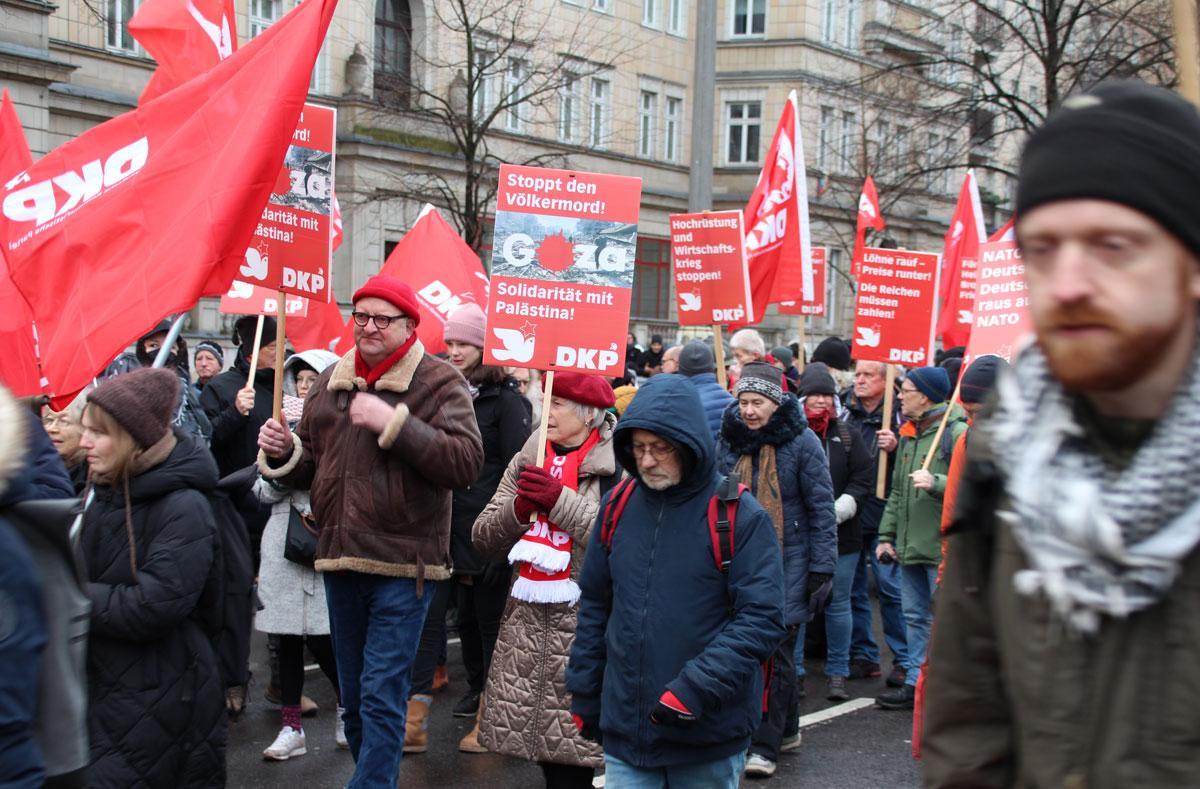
[818, 420]
[373, 374]
[545, 550]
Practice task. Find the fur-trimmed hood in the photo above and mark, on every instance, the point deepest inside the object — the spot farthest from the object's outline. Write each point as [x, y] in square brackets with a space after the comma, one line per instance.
[785, 424]
[13, 439]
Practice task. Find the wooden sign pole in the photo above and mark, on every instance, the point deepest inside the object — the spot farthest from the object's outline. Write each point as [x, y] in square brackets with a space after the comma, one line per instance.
[719, 353]
[942, 427]
[888, 389]
[280, 343]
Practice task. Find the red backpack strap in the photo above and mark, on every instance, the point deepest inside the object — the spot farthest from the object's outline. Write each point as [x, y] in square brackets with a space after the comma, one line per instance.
[722, 519]
[618, 497]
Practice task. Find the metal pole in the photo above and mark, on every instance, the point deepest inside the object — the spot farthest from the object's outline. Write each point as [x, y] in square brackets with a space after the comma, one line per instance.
[700, 180]
[165, 350]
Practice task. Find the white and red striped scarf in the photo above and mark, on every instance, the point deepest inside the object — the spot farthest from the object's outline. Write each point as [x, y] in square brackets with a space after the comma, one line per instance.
[545, 550]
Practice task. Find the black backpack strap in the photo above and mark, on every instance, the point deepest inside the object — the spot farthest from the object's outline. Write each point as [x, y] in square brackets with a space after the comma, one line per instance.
[722, 517]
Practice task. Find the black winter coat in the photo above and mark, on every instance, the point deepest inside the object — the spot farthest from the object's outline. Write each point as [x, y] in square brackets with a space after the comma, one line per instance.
[504, 425]
[852, 472]
[157, 705]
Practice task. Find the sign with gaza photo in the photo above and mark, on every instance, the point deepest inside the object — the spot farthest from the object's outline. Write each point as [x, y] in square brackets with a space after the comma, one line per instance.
[562, 270]
[246, 299]
[1001, 303]
[894, 308]
[292, 245]
[712, 283]
[816, 307]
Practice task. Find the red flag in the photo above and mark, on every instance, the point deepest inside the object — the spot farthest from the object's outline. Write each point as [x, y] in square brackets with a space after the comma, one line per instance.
[1006, 233]
[19, 361]
[322, 326]
[441, 268]
[959, 263]
[777, 228]
[869, 215]
[140, 216]
[185, 37]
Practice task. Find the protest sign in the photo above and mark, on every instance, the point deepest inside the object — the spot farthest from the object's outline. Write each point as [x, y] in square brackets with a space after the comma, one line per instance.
[562, 270]
[292, 245]
[246, 299]
[893, 313]
[1001, 303]
[712, 283]
[816, 307]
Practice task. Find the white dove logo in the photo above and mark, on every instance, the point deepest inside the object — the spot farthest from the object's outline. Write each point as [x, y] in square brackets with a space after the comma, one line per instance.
[964, 316]
[219, 36]
[255, 265]
[958, 231]
[689, 302]
[868, 337]
[865, 207]
[240, 290]
[517, 347]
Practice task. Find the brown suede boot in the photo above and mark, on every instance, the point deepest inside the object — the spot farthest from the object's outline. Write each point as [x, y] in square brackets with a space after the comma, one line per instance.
[470, 743]
[416, 725]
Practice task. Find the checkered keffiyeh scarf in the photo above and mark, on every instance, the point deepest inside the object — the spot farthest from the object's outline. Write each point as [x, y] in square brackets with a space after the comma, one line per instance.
[1100, 540]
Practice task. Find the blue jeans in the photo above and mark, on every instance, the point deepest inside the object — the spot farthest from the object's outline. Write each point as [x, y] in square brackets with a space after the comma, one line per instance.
[917, 582]
[837, 622]
[376, 625]
[721, 774]
[887, 585]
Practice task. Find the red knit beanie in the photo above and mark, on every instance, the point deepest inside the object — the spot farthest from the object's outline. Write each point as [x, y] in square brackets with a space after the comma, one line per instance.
[394, 291]
[593, 390]
[143, 402]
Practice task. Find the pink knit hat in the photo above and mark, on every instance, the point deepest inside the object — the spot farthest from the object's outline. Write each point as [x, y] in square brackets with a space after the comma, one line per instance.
[466, 324]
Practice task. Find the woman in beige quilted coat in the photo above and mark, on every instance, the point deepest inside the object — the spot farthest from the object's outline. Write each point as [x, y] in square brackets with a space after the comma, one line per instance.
[526, 707]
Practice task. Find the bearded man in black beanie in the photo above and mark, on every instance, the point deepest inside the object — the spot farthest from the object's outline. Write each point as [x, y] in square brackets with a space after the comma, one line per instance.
[1067, 639]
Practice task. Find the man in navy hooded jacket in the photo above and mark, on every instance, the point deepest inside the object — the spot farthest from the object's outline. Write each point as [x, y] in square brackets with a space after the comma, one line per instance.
[667, 661]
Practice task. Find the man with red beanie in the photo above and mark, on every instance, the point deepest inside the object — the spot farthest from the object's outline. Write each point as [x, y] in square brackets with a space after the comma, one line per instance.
[387, 433]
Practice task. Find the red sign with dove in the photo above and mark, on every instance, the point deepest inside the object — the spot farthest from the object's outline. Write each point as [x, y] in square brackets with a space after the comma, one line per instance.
[894, 308]
[712, 282]
[562, 270]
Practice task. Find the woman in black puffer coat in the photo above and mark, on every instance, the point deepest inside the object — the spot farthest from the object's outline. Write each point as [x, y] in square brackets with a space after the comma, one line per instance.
[149, 543]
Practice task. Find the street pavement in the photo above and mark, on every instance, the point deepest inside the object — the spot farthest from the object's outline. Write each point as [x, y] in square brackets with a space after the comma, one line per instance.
[862, 748]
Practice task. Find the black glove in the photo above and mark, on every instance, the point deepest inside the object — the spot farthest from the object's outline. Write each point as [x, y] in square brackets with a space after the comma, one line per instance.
[820, 585]
[670, 711]
[495, 573]
[589, 727]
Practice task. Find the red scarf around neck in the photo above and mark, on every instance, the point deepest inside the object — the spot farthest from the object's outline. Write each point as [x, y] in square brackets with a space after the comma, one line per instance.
[373, 374]
[545, 550]
[819, 420]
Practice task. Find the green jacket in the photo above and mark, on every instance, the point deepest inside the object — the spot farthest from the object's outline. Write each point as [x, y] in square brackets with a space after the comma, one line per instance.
[912, 520]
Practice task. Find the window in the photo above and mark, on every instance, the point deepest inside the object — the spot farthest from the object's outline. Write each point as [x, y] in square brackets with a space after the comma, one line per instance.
[829, 18]
[117, 19]
[601, 95]
[317, 83]
[749, 17]
[601, 6]
[672, 128]
[743, 125]
[647, 109]
[568, 109]
[832, 266]
[846, 143]
[263, 14]
[652, 279]
[514, 81]
[677, 17]
[482, 79]
[650, 13]
[393, 50]
[825, 140]
[930, 154]
[903, 150]
[884, 153]
[947, 163]
[850, 34]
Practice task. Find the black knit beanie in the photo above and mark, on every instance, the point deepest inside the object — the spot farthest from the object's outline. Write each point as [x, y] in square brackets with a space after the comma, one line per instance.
[243, 333]
[833, 353]
[816, 379]
[1126, 142]
[979, 379]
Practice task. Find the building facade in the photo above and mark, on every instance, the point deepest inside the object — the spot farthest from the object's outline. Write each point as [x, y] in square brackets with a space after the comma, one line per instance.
[599, 85]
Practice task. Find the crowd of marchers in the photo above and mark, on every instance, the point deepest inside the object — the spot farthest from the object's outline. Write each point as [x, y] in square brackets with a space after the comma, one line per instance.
[636, 591]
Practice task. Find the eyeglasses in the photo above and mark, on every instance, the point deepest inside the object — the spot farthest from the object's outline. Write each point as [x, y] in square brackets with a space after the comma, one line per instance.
[908, 390]
[381, 321]
[657, 451]
[59, 420]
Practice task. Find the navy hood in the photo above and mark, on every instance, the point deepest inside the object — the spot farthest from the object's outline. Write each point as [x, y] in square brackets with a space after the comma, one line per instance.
[669, 406]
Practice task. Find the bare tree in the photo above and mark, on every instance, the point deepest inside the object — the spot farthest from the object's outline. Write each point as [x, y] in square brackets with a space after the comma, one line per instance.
[512, 66]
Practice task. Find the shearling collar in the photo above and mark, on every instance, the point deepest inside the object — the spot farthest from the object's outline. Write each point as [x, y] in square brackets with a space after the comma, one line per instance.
[13, 435]
[396, 380]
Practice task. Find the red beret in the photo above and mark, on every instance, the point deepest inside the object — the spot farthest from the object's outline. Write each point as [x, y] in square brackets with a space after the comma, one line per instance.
[394, 291]
[593, 390]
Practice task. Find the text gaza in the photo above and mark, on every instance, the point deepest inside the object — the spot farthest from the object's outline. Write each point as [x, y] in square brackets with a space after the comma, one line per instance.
[38, 202]
[519, 251]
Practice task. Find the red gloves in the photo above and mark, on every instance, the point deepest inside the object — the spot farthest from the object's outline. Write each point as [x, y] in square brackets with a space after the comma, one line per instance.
[539, 490]
[670, 711]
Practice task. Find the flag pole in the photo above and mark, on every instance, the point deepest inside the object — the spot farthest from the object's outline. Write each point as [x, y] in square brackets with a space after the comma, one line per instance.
[881, 474]
[719, 355]
[799, 361]
[543, 425]
[254, 352]
[164, 350]
[942, 427]
[280, 343]
[1187, 49]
